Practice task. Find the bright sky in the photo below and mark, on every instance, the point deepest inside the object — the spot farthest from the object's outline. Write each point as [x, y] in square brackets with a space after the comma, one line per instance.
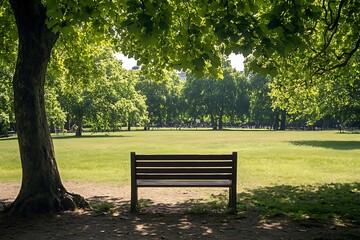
[237, 61]
[128, 63]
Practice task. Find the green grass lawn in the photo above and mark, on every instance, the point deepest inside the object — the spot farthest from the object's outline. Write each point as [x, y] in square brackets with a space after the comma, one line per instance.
[311, 177]
[266, 158]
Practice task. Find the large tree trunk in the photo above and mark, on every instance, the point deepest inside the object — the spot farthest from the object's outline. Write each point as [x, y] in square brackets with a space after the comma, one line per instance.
[41, 189]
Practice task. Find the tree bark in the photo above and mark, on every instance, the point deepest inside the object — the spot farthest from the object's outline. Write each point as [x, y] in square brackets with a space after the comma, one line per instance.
[67, 124]
[213, 122]
[52, 128]
[221, 120]
[160, 120]
[41, 189]
[283, 120]
[79, 129]
[276, 120]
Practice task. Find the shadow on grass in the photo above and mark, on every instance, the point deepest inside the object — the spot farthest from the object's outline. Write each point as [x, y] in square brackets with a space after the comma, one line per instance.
[337, 145]
[210, 130]
[350, 132]
[87, 136]
[331, 204]
[60, 136]
[12, 138]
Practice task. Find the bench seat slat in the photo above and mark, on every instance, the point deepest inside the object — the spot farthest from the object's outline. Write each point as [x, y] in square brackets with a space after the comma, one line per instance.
[184, 157]
[184, 176]
[184, 164]
[183, 183]
[184, 170]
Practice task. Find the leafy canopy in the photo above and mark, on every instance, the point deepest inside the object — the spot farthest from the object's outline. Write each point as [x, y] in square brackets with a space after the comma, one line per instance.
[163, 34]
[300, 43]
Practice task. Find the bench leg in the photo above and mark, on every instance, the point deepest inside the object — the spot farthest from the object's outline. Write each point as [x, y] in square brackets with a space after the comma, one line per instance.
[229, 204]
[134, 199]
[232, 199]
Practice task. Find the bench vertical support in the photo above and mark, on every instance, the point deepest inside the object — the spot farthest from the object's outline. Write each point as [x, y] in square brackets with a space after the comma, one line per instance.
[134, 190]
[232, 190]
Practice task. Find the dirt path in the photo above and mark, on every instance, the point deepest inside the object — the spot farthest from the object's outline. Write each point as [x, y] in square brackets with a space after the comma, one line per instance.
[166, 217]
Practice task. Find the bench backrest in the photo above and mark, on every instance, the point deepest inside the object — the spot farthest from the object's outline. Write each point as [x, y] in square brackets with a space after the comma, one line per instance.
[184, 166]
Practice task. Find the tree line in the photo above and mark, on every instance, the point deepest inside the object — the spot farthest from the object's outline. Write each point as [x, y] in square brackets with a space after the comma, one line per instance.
[106, 97]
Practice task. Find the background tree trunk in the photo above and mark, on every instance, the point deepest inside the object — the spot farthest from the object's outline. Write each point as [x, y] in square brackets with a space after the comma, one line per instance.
[221, 119]
[67, 123]
[129, 125]
[80, 120]
[52, 128]
[276, 120]
[213, 122]
[283, 120]
[41, 189]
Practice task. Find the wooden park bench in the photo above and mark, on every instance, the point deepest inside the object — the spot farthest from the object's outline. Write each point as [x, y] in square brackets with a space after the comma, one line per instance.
[183, 170]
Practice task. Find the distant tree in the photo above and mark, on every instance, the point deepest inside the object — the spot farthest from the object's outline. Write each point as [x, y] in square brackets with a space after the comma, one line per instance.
[162, 98]
[261, 112]
[131, 104]
[6, 101]
[7, 66]
[193, 95]
[240, 112]
[55, 113]
[317, 97]
[317, 77]
[105, 100]
[217, 98]
[200, 97]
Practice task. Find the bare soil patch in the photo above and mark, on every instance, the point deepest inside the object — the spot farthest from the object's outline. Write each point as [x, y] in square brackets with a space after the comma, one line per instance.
[166, 216]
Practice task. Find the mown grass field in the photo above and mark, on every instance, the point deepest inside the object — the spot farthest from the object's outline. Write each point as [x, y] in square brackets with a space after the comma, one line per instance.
[310, 177]
[266, 158]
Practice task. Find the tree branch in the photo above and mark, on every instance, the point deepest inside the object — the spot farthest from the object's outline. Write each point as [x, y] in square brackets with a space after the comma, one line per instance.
[348, 56]
[336, 22]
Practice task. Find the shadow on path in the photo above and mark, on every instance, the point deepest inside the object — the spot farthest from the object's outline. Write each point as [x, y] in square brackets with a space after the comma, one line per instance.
[330, 211]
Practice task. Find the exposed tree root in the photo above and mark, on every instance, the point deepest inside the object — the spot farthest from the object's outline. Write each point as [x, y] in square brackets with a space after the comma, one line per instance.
[46, 203]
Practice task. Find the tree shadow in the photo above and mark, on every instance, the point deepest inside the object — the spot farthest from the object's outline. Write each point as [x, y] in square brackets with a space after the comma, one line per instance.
[61, 137]
[8, 138]
[329, 211]
[337, 145]
[329, 204]
[88, 136]
[349, 132]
